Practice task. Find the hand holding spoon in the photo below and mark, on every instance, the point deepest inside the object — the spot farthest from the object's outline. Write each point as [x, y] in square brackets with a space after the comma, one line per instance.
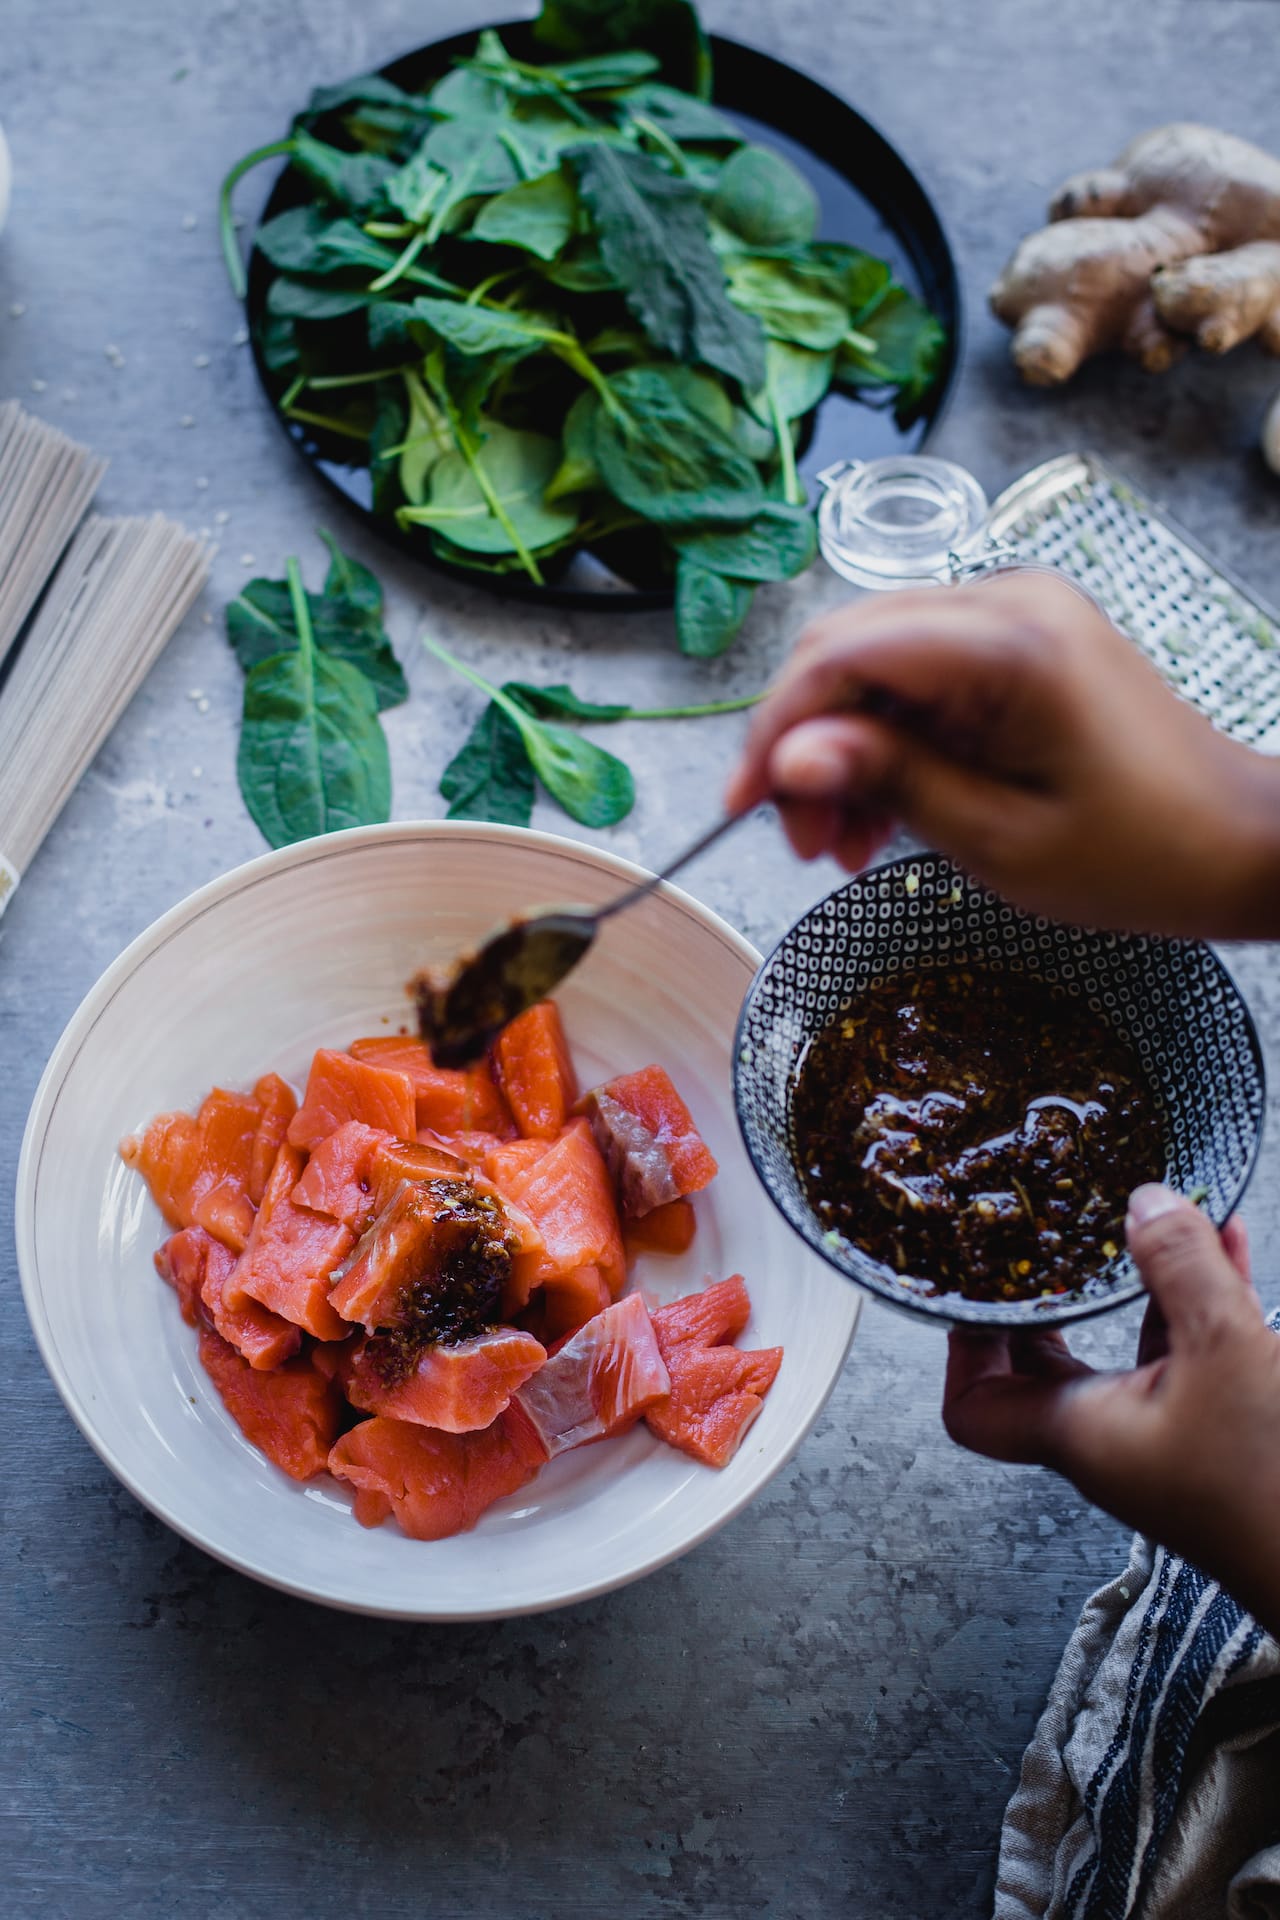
[463, 1007]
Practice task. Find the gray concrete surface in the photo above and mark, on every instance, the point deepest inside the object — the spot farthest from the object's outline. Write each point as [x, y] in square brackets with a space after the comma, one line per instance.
[821, 1711]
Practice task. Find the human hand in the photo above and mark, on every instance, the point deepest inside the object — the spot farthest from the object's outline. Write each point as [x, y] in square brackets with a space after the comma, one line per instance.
[1186, 1447]
[1009, 724]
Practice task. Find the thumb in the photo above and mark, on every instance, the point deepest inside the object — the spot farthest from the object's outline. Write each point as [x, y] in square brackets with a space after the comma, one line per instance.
[1186, 1269]
[868, 764]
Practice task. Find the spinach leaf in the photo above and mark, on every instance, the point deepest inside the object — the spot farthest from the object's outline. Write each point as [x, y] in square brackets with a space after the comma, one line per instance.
[491, 499]
[278, 343]
[709, 609]
[795, 381]
[594, 787]
[666, 462]
[560, 702]
[490, 776]
[790, 303]
[474, 329]
[390, 426]
[652, 230]
[539, 215]
[764, 200]
[289, 299]
[416, 187]
[857, 278]
[581, 268]
[312, 757]
[345, 622]
[427, 439]
[310, 240]
[906, 344]
[780, 542]
[365, 89]
[680, 116]
[577, 472]
[476, 152]
[668, 28]
[355, 181]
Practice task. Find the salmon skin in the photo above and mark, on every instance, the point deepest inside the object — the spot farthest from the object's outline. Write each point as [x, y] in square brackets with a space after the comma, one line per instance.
[646, 1134]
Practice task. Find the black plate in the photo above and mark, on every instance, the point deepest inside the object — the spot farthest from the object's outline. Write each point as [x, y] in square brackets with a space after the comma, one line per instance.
[867, 194]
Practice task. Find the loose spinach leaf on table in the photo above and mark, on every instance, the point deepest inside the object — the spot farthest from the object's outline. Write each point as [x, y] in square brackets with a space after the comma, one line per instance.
[654, 239]
[490, 777]
[345, 621]
[594, 787]
[312, 755]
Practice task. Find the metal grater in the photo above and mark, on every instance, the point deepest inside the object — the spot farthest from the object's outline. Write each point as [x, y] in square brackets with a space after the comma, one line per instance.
[1210, 639]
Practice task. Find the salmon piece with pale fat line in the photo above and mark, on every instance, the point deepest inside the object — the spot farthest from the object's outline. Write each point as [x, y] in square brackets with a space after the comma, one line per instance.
[459, 1388]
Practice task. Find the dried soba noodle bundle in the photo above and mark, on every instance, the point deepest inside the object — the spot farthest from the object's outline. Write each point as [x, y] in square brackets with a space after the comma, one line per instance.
[46, 484]
[117, 598]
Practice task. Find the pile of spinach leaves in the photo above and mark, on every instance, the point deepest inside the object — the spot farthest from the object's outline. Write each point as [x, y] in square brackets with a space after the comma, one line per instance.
[564, 305]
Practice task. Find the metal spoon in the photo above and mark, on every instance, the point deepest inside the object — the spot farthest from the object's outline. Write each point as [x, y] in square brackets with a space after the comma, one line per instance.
[463, 1007]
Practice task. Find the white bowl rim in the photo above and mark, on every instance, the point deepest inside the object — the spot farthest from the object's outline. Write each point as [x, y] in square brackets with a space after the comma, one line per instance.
[99, 997]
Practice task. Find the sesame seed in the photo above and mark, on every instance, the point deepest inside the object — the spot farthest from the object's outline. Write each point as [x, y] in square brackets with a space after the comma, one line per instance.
[16, 310]
[201, 360]
[187, 420]
[188, 223]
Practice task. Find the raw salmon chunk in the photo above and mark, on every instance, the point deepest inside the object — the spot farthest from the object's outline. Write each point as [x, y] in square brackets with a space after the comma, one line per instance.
[292, 1414]
[166, 1155]
[198, 1267]
[448, 1102]
[458, 1388]
[277, 1107]
[470, 1144]
[536, 1072]
[599, 1382]
[705, 1319]
[567, 1193]
[716, 1390]
[668, 1229]
[289, 1262]
[647, 1135]
[340, 1088]
[434, 1483]
[340, 1178]
[436, 1257]
[401, 1160]
[572, 1299]
[220, 1201]
[199, 1170]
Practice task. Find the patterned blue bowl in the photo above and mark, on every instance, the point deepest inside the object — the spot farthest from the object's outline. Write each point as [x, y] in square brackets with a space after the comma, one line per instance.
[1173, 1000]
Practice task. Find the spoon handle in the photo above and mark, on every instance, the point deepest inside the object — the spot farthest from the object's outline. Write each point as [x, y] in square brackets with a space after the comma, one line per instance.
[635, 893]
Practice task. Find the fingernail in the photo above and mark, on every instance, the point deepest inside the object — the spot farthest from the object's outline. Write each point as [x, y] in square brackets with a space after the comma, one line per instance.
[1149, 1202]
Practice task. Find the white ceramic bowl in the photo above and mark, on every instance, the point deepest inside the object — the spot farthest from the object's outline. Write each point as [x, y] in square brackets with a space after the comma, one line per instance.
[311, 946]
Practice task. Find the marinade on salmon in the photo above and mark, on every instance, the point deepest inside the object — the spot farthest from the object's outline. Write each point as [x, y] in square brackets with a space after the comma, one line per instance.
[417, 1278]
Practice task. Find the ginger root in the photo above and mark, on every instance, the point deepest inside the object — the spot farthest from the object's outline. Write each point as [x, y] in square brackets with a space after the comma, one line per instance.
[1179, 240]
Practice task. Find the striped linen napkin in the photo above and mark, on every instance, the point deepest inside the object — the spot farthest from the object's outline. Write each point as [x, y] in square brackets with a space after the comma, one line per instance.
[1151, 1787]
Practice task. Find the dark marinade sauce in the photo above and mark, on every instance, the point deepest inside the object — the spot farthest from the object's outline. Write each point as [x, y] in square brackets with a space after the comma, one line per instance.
[975, 1131]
